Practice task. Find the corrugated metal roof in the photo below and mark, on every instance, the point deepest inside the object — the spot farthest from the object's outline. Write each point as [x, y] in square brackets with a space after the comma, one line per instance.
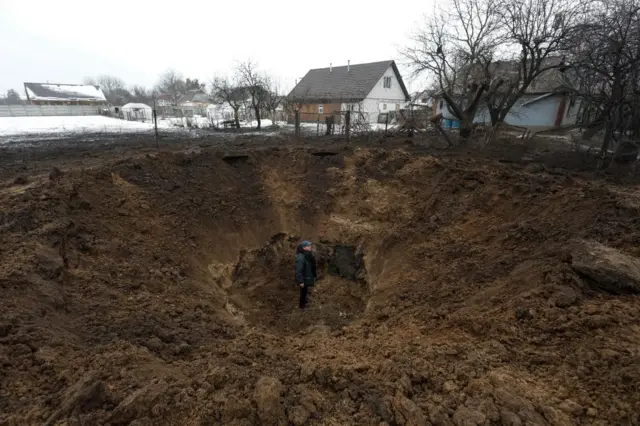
[346, 83]
[64, 92]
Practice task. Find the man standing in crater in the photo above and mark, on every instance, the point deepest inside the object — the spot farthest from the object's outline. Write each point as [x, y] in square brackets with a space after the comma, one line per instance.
[305, 270]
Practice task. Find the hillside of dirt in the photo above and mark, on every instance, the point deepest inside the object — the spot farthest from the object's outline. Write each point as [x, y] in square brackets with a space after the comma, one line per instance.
[157, 289]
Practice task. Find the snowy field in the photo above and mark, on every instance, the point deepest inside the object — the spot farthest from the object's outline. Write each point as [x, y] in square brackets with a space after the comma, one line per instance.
[25, 128]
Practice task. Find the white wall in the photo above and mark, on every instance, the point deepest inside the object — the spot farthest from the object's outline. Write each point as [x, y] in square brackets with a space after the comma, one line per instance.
[380, 95]
[571, 112]
[539, 114]
[49, 110]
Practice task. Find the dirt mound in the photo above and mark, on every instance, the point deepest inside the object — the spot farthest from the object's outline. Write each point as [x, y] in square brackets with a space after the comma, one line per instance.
[158, 290]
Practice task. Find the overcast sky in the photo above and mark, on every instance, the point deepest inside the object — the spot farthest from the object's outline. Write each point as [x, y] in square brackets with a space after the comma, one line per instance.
[63, 41]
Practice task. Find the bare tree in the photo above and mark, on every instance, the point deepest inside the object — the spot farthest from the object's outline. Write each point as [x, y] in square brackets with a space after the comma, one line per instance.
[110, 83]
[225, 90]
[274, 97]
[457, 46]
[255, 85]
[539, 31]
[114, 88]
[605, 59]
[141, 94]
[13, 97]
[173, 84]
[194, 84]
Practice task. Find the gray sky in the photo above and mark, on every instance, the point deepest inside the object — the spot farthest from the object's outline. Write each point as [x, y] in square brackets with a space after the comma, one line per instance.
[63, 41]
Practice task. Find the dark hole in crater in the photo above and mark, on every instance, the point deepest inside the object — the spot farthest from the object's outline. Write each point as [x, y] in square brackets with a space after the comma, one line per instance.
[264, 289]
[346, 262]
[324, 153]
[235, 159]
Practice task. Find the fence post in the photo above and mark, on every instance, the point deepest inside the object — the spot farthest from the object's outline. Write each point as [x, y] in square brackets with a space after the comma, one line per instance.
[347, 125]
[155, 123]
[297, 123]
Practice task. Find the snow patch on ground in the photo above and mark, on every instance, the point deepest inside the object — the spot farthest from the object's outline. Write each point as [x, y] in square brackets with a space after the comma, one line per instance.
[244, 124]
[18, 126]
[24, 129]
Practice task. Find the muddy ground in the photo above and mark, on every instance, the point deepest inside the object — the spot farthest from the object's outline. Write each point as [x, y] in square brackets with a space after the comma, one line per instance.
[154, 287]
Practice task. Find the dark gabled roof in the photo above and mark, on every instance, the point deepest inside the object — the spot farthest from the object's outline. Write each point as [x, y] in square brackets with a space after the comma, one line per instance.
[64, 92]
[346, 84]
[552, 80]
[549, 81]
[194, 96]
[429, 93]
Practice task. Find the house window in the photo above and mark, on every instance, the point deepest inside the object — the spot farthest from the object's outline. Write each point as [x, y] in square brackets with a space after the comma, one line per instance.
[441, 105]
[424, 100]
[384, 107]
[320, 109]
[387, 83]
[397, 107]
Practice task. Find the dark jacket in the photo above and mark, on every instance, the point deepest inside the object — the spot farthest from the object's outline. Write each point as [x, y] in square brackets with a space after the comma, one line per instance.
[305, 267]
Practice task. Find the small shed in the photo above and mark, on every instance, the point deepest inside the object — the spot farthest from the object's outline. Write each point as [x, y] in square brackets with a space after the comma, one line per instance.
[137, 112]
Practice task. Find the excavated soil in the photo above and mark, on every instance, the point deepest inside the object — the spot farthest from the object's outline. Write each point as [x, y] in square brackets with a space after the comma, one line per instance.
[158, 290]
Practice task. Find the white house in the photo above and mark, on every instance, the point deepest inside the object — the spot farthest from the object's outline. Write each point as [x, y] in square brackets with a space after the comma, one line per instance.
[423, 100]
[533, 110]
[369, 90]
[220, 112]
[194, 102]
[137, 112]
[546, 104]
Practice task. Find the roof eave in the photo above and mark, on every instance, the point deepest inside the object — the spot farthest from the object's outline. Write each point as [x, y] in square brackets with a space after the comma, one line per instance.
[318, 100]
[399, 77]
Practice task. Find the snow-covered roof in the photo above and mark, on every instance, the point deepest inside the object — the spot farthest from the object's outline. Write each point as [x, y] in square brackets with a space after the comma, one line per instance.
[64, 92]
[192, 105]
[133, 105]
[194, 96]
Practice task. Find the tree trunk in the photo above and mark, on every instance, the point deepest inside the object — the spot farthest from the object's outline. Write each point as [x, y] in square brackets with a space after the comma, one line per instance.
[257, 110]
[594, 126]
[466, 125]
[494, 114]
[465, 129]
[236, 117]
[615, 103]
[608, 135]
